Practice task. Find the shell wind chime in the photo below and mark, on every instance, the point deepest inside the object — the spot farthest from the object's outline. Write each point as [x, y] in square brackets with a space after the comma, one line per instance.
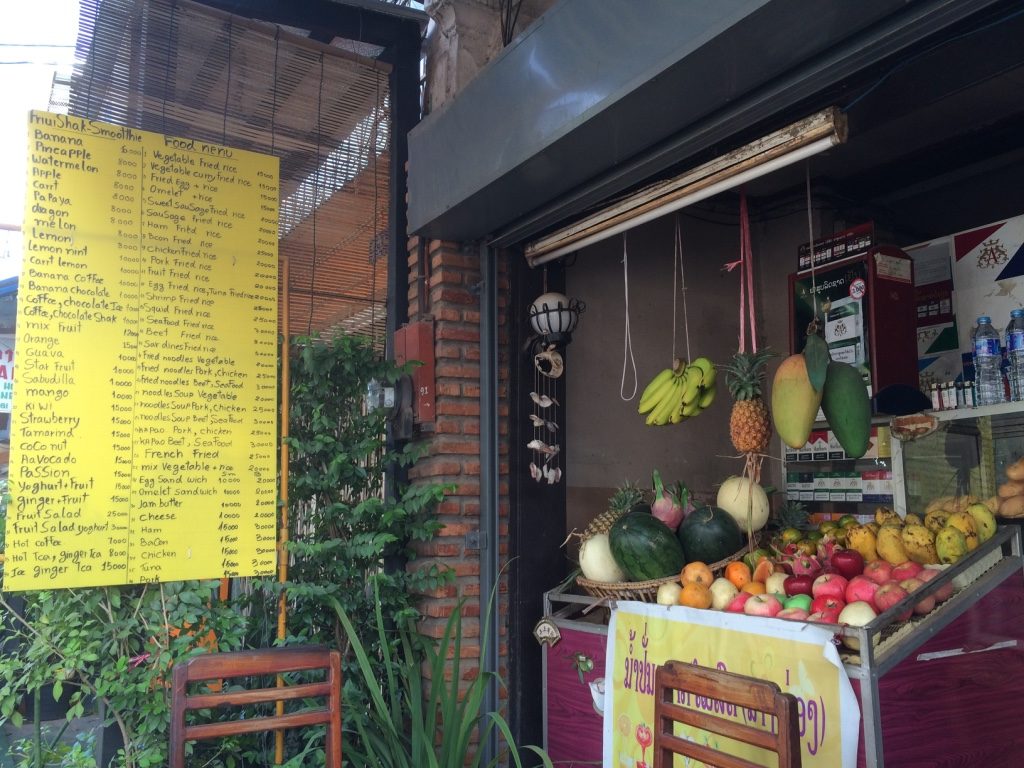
[553, 317]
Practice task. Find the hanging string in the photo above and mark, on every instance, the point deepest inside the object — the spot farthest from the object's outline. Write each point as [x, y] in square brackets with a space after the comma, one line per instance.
[743, 295]
[677, 262]
[810, 246]
[748, 271]
[316, 195]
[627, 351]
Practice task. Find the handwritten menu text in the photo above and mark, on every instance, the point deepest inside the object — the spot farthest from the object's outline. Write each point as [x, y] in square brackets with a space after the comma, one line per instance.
[143, 435]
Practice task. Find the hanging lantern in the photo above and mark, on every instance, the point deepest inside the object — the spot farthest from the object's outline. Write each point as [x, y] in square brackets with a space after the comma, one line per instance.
[554, 316]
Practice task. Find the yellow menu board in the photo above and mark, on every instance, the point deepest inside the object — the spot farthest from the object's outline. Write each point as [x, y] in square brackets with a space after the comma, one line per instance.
[143, 432]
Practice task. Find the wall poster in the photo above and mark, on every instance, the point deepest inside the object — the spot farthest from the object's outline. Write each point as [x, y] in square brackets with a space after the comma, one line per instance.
[144, 422]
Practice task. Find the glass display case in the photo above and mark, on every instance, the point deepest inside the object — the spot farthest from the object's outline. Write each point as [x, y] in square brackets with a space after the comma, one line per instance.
[967, 454]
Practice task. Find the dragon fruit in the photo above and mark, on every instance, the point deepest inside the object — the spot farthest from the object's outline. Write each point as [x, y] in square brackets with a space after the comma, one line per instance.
[794, 562]
[827, 546]
[671, 504]
[805, 566]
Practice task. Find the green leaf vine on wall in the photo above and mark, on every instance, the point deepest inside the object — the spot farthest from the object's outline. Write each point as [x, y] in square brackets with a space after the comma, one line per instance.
[353, 520]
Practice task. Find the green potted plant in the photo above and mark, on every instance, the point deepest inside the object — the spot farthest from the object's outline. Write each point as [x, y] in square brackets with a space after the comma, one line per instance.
[416, 719]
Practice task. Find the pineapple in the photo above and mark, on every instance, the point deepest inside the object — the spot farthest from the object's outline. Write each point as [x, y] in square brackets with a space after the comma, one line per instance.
[626, 496]
[749, 425]
[792, 514]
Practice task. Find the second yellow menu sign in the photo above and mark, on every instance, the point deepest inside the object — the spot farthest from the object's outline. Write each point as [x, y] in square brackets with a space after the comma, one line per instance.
[143, 435]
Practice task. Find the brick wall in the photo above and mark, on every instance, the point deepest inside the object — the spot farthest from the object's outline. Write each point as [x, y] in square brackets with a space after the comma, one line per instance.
[443, 285]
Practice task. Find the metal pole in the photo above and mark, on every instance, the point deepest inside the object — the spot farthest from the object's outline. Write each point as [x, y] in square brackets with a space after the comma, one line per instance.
[282, 537]
[489, 488]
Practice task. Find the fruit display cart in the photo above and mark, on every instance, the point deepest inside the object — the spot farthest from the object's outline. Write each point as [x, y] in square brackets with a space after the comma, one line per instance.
[938, 690]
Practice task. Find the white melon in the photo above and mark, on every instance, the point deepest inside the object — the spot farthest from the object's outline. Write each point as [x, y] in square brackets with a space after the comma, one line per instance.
[738, 495]
[596, 560]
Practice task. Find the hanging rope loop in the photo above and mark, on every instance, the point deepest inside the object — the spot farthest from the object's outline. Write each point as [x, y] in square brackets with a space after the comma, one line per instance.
[677, 266]
[746, 264]
[627, 351]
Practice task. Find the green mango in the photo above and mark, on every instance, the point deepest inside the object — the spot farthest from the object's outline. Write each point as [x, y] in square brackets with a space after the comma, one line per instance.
[847, 407]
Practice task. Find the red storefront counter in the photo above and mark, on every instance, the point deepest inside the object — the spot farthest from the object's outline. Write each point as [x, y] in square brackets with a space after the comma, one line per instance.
[942, 691]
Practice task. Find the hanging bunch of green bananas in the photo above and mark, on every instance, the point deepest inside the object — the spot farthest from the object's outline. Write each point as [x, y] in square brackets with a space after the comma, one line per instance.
[679, 392]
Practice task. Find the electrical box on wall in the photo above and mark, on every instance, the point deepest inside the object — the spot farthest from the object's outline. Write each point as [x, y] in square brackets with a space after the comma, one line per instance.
[866, 306]
[415, 341]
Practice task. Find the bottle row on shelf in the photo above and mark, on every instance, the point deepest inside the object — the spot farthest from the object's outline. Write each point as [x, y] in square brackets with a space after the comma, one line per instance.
[998, 362]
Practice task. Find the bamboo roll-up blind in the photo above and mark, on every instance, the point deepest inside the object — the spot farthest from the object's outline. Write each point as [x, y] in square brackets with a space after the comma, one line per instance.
[183, 69]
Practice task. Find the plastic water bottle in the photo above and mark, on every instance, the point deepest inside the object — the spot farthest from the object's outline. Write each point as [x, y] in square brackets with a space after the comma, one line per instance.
[1015, 353]
[988, 359]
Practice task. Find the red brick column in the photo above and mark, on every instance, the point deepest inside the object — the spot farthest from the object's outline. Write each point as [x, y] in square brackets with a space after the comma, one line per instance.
[443, 285]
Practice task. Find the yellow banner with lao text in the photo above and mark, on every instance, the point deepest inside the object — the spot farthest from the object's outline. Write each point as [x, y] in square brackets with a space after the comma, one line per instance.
[799, 657]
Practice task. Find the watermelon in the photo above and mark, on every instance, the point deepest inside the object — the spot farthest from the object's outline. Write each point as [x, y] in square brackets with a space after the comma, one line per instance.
[644, 547]
[709, 534]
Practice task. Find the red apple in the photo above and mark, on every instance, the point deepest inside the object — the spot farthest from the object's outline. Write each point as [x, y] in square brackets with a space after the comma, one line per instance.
[879, 571]
[737, 603]
[830, 585]
[829, 616]
[795, 614]
[762, 605]
[827, 603]
[798, 585]
[923, 606]
[944, 592]
[907, 570]
[888, 595]
[857, 614]
[847, 562]
[861, 589]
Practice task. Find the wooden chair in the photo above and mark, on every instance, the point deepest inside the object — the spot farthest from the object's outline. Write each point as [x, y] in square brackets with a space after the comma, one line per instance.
[268, 662]
[740, 690]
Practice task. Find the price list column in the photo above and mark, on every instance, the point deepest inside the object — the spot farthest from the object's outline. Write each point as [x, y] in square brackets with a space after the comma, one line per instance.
[263, 434]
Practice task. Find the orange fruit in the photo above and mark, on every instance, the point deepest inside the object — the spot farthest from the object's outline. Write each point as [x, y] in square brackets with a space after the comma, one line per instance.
[754, 587]
[697, 572]
[738, 573]
[764, 569]
[695, 595]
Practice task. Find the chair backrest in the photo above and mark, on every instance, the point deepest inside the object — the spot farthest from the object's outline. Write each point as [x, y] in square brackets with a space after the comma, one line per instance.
[263, 663]
[730, 688]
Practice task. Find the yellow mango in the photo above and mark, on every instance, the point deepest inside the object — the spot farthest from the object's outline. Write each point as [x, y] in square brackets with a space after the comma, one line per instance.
[889, 543]
[964, 522]
[862, 539]
[920, 544]
[795, 403]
